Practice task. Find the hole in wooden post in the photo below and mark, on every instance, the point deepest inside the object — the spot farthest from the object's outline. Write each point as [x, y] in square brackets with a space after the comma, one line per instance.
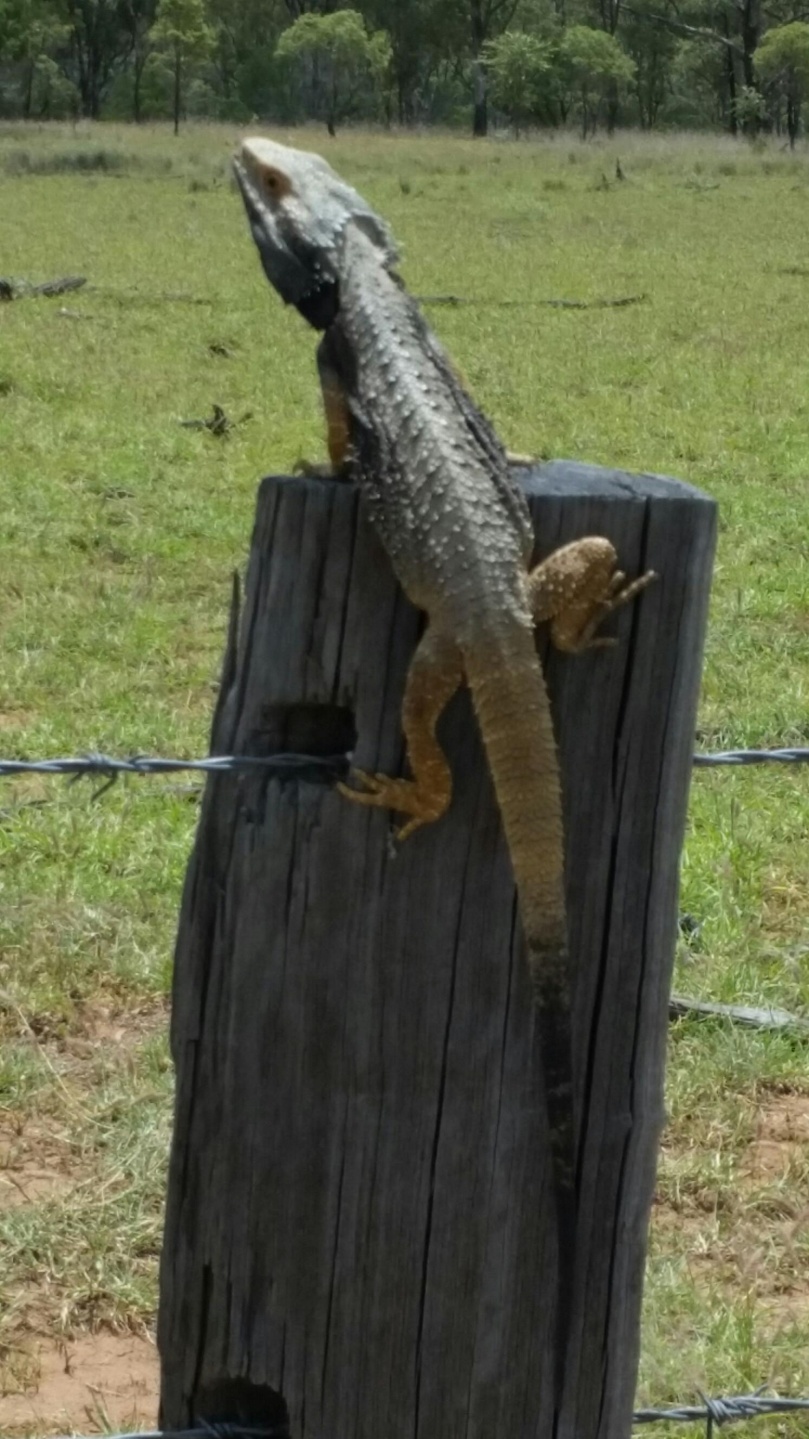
[237, 1401]
[316, 729]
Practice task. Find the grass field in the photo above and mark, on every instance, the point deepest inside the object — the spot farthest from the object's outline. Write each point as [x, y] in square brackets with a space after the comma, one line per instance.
[118, 535]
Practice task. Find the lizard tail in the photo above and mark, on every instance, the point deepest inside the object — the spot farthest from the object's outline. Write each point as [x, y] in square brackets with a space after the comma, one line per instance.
[511, 702]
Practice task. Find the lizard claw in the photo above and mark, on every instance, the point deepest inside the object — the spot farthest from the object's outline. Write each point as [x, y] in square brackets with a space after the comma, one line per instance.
[402, 795]
[374, 783]
[618, 593]
[621, 592]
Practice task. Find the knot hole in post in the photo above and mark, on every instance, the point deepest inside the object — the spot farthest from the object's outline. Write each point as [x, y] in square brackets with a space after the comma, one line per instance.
[228, 1404]
[306, 728]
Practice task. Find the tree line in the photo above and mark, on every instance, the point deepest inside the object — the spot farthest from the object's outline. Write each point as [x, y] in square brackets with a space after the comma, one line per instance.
[742, 65]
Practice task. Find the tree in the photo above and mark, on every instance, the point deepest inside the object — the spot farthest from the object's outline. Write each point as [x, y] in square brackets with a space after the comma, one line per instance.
[486, 18]
[732, 26]
[297, 8]
[246, 34]
[517, 65]
[595, 64]
[180, 28]
[751, 109]
[339, 57]
[30, 30]
[782, 59]
[698, 97]
[653, 49]
[421, 33]
[139, 16]
[99, 46]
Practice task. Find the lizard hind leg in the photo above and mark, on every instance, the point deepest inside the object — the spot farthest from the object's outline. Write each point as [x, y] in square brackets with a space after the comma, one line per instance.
[576, 587]
[436, 672]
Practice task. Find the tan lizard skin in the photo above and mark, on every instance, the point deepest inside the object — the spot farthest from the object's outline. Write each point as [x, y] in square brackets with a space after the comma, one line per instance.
[436, 484]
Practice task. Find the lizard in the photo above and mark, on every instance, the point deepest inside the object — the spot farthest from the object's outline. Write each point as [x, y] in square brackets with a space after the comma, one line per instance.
[456, 527]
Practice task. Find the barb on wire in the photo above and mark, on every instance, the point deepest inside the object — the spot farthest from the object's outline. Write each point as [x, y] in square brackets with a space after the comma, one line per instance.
[722, 1411]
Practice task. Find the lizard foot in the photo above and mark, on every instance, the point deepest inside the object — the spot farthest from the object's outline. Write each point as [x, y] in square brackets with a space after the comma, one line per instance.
[403, 795]
[576, 588]
[620, 592]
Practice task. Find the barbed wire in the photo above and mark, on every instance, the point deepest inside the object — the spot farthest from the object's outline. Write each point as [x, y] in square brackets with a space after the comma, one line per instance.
[722, 1411]
[753, 756]
[320, 768]
[715, 1412]
[302, 766]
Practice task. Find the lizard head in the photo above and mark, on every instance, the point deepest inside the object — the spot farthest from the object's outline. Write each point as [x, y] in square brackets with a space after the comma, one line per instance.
[298, 210]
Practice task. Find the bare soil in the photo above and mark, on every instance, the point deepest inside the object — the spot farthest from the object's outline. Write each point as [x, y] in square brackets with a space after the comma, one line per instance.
[89, 1384]
[782, 1137]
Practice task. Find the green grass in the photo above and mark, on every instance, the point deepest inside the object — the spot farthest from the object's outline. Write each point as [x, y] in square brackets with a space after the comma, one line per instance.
[119, 533]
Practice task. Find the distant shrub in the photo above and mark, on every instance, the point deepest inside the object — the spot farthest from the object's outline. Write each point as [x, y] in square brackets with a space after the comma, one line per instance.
[65, 162]
[96, 161]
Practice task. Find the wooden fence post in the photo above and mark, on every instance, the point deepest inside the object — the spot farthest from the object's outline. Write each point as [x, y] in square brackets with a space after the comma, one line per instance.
[358, 1226]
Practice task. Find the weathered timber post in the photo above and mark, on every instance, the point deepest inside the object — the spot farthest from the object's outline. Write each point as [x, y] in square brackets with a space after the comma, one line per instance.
[358, 1209]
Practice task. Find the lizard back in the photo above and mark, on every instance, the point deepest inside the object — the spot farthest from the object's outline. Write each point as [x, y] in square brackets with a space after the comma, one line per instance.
[431, 468]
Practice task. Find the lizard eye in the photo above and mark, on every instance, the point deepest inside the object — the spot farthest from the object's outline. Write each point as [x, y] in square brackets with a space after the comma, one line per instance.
[275, 184]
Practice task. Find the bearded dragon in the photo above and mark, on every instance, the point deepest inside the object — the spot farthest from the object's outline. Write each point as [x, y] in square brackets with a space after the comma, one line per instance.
[437, 488]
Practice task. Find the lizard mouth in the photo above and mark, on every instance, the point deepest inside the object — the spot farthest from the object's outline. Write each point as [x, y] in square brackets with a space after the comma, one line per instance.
[295, 273]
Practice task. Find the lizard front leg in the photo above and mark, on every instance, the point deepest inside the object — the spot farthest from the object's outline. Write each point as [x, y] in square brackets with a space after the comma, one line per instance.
[335, 406]
[435, 673]
[576, 587]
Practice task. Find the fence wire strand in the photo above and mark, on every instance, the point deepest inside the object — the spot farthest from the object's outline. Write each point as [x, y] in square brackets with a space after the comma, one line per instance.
[713, 1412]
[316, 768]
[752, 756]
[722, 1411]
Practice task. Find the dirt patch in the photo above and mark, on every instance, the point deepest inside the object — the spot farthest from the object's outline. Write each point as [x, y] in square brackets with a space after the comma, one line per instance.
[28, 1183]
[781, 1140]
[748, 1231]
[99, 1026]
[17, 719]
[35, 1164]
[85, 1385]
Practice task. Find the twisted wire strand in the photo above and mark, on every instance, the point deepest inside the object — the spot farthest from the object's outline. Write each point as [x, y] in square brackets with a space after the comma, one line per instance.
[726, 1410]
[102, 764]
[752, 756]
[320, 768]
